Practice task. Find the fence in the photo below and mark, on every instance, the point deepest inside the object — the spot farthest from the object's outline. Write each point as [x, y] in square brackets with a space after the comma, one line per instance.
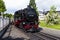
[3, 22]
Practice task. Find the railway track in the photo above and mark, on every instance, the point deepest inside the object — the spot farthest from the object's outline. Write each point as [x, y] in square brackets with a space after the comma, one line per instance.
[41, 36]
[44, 36]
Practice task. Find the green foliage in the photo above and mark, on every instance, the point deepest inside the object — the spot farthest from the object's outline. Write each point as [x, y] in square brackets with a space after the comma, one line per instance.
[2, 6]
[52, 17]
[55, 26]
[52, 10]
[33, 5]
[8, 15]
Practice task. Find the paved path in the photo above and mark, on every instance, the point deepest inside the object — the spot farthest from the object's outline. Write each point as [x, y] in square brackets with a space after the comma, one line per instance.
[15, 33]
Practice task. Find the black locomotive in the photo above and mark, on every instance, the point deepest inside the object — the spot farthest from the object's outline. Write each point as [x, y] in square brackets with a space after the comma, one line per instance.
[26, 19]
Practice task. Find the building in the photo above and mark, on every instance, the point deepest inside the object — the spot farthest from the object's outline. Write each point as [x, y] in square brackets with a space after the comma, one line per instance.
[42, 14]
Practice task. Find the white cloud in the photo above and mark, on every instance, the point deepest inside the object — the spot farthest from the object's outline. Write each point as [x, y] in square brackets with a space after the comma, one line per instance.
[16, 3]
[41, 4]
[46, 4]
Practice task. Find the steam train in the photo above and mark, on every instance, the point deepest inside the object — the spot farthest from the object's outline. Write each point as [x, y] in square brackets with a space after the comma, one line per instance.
[26, 19]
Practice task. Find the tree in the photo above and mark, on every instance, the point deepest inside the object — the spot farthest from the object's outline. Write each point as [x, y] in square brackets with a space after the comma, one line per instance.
[2, 9]
[9, 16]
[52, 17]
[2, 6]
[33, 5]
[52, 10]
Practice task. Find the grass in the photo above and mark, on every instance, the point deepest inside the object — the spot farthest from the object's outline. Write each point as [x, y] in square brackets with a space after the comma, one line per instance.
[56, 26]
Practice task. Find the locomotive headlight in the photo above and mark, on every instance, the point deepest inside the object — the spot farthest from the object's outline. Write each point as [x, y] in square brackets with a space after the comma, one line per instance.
[23, 22]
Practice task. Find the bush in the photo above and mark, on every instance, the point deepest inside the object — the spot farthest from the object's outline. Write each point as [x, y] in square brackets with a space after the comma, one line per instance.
[52, 19]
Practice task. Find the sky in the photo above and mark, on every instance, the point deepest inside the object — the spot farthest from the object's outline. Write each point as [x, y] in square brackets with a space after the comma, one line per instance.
[14, 5]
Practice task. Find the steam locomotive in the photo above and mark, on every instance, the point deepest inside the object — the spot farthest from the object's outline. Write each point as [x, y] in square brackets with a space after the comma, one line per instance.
[26, 19]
